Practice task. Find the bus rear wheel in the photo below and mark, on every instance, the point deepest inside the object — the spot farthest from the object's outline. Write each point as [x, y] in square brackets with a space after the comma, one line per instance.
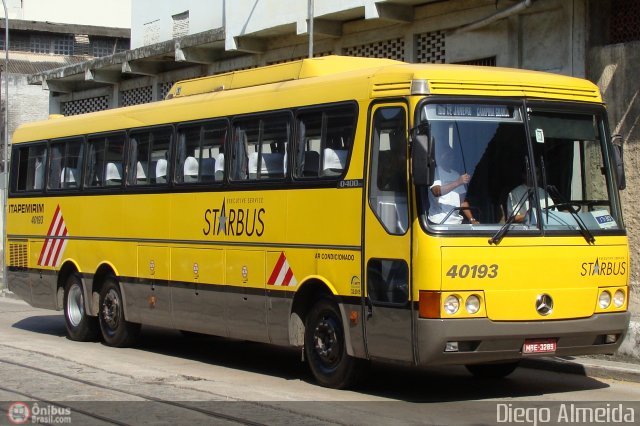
[116, 331]
[492, 371]
[80, 326]
[325, 347]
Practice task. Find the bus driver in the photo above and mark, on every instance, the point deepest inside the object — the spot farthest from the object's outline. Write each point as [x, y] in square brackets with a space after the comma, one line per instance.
[448, 190]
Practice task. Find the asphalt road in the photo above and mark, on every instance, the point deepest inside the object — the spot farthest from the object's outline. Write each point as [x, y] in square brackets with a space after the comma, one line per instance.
[170, 379]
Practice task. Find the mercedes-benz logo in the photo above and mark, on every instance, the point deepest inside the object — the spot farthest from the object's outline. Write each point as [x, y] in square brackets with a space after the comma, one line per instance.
[544, 304]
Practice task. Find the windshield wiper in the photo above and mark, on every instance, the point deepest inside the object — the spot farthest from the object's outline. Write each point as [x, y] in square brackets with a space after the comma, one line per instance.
[586, 234]
[498, 236]
[584, 230]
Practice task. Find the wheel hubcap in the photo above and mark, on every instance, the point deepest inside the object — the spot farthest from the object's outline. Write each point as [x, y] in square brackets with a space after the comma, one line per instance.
[75, 305]
[111, 309]
[326, 341]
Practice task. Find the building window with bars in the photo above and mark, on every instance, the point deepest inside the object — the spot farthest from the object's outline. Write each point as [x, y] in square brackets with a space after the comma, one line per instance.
[430, 47]
[40, 44]
[101, 46]
[624, 25]
[63, 45]
[392, 49]
[483, 62]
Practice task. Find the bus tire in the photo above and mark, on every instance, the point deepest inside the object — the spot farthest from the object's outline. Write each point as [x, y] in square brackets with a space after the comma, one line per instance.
[494, 370]
[80, 326]
[116, 331]
[325, 347]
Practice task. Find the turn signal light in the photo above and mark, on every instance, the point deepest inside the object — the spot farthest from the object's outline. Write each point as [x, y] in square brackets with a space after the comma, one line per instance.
[429, 304]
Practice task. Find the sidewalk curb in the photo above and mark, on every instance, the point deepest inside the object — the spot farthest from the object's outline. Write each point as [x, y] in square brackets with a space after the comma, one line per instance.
[8, 294]
[586, 367]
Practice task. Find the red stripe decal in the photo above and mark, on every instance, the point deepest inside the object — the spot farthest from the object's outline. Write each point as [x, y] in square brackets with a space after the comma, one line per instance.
[276, 269]
[287, 278]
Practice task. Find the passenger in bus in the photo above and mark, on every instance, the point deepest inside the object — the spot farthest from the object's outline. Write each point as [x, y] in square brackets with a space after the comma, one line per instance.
[448, 190]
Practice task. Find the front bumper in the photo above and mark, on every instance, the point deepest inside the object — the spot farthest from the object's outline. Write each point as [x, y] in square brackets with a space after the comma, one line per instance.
[483, 340]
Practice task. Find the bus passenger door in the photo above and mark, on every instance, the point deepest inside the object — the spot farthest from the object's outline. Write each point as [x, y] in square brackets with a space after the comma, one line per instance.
[387, 245]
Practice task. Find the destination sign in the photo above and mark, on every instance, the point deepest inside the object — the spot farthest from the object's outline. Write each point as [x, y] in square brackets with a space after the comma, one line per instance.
[473, 112]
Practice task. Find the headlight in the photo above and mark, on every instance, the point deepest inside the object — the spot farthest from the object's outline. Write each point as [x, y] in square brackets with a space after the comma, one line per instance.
[604, 300]
[618, 299]
[451, 304]
[472, 304]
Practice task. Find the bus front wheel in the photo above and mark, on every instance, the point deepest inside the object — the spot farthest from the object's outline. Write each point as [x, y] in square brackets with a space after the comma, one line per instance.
[80, 326]
[325, 347]
[492, 371]
[116, 331]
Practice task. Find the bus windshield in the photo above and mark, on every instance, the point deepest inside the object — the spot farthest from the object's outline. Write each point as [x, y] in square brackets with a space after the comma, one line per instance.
[496, 164]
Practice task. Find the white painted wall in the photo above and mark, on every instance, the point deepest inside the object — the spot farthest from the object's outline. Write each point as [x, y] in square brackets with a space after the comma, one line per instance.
[244, 17]
[203, 15]
[238, 17]
[106, 13]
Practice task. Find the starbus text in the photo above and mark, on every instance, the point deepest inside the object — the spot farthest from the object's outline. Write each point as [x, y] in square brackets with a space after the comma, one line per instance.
[234, 222]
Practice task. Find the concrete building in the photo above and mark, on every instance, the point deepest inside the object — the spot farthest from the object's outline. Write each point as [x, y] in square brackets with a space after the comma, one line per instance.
[36, 47]
[595, 39]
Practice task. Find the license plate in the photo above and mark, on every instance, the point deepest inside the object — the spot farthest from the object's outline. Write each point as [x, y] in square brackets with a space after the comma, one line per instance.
[539, 346]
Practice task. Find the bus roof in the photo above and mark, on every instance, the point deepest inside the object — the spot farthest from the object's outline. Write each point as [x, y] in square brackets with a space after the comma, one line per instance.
[387, 76]
[315, 81]
[278, 73]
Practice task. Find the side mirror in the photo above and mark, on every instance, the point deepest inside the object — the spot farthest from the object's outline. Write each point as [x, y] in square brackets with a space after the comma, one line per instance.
[618, 157]
[422, 163]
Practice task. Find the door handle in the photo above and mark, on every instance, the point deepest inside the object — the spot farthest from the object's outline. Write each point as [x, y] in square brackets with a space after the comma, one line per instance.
[367, 301]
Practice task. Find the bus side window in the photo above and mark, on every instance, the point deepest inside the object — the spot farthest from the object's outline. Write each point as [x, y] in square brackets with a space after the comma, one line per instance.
[338, 131]
[65, 169]
[39, 163]
[188, 147]
[324, 142]
[104, 160]
[29, 175]
[307, 158]
[273, 147]
[260, 147]
[239, 159]
[200, 153]
[150, 151]
[214, 137]
[55, 166]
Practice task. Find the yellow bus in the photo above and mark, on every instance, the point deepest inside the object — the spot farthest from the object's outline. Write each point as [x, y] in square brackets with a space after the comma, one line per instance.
[358, 209]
